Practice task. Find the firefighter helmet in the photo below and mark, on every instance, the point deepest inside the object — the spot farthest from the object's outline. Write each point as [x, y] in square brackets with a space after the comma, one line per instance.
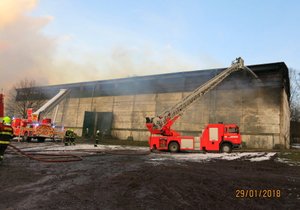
[6, 120]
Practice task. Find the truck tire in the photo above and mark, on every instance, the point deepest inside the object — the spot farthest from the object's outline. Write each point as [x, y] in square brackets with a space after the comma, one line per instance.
[26, 138]
[226, 148]
[154, 149]
[173, 146]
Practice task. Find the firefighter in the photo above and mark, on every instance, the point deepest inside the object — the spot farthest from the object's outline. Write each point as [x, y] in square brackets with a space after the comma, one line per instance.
[70, 137]
[97, 138]
[6, 134]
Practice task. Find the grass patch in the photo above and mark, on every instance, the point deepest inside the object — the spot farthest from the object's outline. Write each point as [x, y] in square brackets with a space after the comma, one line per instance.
[292, 155]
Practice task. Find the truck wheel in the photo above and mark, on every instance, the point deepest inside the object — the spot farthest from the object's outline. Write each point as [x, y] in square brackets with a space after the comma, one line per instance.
[26, 138]
[226, 148]
[154, 149]
[173, 147]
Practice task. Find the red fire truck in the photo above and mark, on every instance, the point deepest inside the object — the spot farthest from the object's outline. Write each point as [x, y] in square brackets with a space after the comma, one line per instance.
[215, 137]
[37, 127]
[29, 129]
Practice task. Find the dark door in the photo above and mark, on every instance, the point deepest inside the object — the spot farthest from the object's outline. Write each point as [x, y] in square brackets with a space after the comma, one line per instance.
[88, 124]
[104, 122]
[94, 121]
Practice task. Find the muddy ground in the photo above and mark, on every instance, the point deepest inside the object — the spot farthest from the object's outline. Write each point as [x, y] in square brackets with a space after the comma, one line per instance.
[120, 181]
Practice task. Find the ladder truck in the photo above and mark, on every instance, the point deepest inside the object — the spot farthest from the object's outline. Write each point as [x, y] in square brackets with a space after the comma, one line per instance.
[38, 127]
[215, 137]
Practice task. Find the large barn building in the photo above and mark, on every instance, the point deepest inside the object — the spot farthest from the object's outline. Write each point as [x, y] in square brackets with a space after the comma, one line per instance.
[259, 106]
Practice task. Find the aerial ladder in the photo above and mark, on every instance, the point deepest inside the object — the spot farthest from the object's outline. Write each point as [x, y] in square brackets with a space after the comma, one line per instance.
[162, 123]
[52, 103]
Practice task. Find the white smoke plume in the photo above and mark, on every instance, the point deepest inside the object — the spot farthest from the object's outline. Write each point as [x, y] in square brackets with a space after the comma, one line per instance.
[27, 52]
[24, 50]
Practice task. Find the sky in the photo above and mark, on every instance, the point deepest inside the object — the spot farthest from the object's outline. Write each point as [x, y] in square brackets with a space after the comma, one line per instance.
[66, 41]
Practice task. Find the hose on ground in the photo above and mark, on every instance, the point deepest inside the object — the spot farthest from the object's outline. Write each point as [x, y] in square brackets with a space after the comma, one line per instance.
[50, 158]
[128, 152]
[114, 152]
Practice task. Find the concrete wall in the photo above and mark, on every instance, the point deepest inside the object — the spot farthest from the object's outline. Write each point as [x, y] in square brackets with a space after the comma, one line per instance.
[261, 113]
[259, 106]
[285, 121]
[295, 132]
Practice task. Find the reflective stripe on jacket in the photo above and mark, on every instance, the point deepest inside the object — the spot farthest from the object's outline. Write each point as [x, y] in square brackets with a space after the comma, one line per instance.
[6, 133]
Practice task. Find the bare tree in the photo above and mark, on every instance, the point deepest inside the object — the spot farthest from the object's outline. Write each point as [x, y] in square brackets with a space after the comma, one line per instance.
[25, 94]
[295, 95]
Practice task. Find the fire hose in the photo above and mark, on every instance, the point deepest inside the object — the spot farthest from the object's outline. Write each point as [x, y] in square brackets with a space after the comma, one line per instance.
[120, 152]
[50, 157]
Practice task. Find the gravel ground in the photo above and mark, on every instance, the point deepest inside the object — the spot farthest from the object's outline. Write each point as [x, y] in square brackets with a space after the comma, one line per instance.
[116, 177]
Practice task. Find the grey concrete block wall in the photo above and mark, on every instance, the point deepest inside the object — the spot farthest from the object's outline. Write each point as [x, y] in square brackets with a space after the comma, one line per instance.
[259, 118]
[285, 120]
[259, 107]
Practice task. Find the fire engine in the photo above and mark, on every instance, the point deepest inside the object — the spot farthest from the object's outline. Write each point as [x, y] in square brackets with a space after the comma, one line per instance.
[215, 137]
[37, 127]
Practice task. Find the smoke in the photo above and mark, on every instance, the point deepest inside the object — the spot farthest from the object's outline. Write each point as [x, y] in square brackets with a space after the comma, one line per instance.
[123, 61]
[24, 50]
[27, 52]
[12, 10]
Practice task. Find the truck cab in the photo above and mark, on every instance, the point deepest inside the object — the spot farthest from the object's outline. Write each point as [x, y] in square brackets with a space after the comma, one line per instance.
[220, 137]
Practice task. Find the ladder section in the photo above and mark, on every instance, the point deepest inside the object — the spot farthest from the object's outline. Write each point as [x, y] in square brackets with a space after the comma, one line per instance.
[180, 107]
[49, 105]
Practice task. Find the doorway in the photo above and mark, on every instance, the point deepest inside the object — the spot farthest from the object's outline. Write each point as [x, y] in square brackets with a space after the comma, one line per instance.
[94, 121]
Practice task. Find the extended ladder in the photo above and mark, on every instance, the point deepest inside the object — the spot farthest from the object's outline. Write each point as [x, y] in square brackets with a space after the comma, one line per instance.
[54, 101]
[180, 107]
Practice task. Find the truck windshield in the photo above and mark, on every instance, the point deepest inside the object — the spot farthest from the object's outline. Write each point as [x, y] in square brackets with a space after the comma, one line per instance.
[233, 130]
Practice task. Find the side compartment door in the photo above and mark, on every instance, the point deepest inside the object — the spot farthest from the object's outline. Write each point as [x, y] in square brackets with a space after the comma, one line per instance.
[213, 138]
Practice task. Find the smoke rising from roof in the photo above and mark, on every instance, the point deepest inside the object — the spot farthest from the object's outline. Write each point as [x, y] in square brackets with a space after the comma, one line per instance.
[27, 52]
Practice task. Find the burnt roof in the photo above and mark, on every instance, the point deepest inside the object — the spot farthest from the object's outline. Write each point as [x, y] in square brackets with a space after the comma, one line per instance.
[271, 75]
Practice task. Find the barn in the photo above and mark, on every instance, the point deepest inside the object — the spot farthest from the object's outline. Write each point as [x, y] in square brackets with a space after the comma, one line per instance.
[118, 107]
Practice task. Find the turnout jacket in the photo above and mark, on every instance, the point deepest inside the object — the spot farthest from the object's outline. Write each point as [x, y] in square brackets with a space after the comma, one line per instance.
[6, 133]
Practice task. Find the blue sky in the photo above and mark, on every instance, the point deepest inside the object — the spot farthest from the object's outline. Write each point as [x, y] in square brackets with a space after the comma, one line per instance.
[64, 41]
[259, 31]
